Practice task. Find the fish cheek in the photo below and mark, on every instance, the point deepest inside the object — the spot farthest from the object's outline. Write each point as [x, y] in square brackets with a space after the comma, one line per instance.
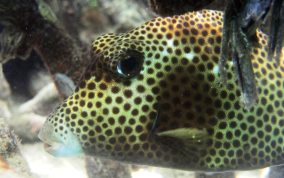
[112, 115]
[91, 114]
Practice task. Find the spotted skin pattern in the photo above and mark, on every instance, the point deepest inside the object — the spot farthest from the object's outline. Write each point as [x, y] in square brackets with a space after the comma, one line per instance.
[177, 87]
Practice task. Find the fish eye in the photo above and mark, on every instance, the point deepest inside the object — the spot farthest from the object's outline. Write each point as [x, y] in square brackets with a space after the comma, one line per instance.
[130, 66]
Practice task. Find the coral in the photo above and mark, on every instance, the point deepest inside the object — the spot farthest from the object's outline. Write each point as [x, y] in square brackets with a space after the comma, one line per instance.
[10, 155]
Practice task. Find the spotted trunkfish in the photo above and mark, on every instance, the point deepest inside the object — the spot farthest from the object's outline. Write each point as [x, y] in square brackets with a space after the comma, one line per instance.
[152, 96]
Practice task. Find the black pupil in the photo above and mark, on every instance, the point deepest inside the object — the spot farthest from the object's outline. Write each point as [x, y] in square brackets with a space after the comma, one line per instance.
[129, 67]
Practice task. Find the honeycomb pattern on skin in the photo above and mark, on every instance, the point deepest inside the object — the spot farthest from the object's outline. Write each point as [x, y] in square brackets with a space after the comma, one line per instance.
[114, 117]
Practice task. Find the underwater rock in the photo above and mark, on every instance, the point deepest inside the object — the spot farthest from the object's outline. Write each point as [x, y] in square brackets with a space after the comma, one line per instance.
[27, 125]
[10, 152]
[8, 141]
[4, 110]
[38, 77]
[276, 172]
[103, 168]
[126, 14]
[43, 165]
[13, 43]
[28, 118]
[4, 86]
[68, 14]
[40, 101]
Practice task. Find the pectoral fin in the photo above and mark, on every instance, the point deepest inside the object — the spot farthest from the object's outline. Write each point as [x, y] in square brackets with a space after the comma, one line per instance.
[188, 134]
[189, 142]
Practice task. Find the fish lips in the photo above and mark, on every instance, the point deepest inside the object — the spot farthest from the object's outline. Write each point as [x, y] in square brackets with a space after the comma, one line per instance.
[56, 145]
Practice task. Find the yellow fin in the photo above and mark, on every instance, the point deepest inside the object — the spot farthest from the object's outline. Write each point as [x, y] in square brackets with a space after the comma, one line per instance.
[185, 133]
[187, 141]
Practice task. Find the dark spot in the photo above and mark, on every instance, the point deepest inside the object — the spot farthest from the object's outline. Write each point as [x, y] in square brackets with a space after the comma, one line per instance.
[115, 89]
[91, 86]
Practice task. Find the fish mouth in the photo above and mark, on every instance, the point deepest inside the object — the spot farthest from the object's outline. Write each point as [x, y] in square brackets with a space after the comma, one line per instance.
[50, 145]
[56, 145]
[53, 148]
[47, 147]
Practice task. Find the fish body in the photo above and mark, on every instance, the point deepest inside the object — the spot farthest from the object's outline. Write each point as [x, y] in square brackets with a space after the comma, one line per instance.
[152, 96]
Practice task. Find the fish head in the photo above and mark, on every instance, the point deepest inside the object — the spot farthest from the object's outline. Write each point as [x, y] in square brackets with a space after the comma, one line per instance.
[58, 139]
[104, 114]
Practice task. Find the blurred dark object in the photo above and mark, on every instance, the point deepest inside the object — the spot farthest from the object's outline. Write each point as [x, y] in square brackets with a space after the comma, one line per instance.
[276, 38]
[14, 11]
[241, 19]
[237, 40]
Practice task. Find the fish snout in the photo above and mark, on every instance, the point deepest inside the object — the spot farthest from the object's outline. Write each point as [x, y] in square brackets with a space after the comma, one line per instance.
[59, 144]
